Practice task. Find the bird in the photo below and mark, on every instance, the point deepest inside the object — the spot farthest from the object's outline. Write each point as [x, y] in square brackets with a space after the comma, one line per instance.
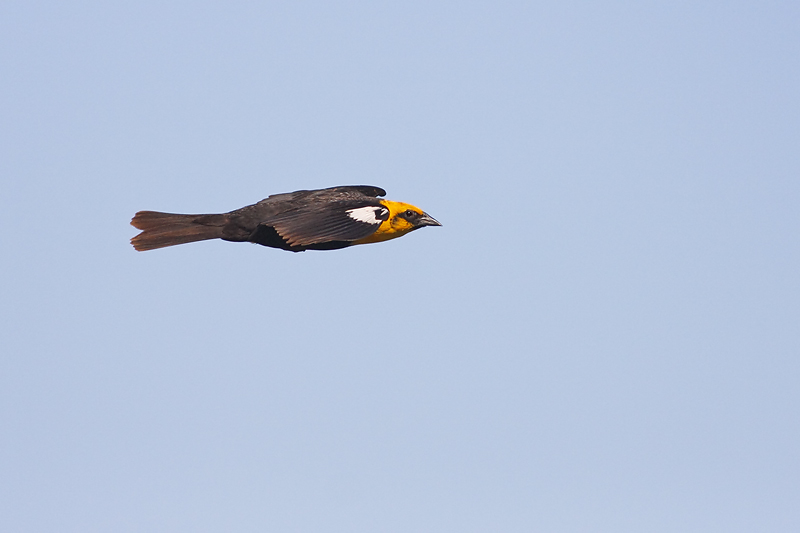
[317, 219]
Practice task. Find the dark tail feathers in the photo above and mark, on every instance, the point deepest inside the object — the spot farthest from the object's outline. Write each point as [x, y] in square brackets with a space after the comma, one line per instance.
[168, 229]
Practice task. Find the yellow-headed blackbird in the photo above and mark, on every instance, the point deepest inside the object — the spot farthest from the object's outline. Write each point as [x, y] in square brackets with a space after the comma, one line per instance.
[322, 219]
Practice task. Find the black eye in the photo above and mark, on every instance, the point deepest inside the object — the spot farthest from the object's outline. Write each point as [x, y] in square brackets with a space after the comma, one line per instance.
[409, 213]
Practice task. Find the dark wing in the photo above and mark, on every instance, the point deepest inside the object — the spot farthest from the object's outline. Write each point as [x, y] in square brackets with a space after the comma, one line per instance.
[342, 192]
[354, 191]
[327, 222]
[366, 190]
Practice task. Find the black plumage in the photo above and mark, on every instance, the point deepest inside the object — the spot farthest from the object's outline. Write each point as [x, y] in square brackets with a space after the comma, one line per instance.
[321, 219]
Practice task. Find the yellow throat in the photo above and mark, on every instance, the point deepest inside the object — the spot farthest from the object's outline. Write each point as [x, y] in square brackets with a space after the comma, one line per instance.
[393, 227]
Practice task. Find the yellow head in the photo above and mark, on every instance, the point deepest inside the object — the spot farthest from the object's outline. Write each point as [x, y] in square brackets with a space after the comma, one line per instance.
[403, 218]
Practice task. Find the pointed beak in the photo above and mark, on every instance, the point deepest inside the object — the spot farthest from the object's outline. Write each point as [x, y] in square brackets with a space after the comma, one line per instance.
[426, 220]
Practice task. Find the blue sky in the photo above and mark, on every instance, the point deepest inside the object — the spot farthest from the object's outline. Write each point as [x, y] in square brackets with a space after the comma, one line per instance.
[603, 336]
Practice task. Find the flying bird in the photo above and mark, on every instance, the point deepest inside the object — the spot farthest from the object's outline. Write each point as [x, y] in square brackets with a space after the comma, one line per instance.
[320, 219]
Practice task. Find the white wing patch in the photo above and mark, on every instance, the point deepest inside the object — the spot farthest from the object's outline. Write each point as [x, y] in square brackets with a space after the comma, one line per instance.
[368, 215]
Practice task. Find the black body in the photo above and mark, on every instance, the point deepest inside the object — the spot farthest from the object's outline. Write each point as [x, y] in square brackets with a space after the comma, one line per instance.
[296, 221]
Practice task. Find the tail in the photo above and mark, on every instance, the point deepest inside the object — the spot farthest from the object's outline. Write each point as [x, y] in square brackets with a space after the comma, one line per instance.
[166, 229]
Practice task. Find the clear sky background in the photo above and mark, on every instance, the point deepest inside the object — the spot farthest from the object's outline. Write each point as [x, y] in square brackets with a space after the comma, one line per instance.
[603, 336]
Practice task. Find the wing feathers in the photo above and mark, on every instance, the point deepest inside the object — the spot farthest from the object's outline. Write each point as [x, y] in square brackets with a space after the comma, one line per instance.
[317, 224]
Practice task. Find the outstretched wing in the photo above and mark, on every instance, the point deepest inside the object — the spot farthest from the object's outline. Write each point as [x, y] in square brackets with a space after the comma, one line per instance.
[339, 193]
[328, 222]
